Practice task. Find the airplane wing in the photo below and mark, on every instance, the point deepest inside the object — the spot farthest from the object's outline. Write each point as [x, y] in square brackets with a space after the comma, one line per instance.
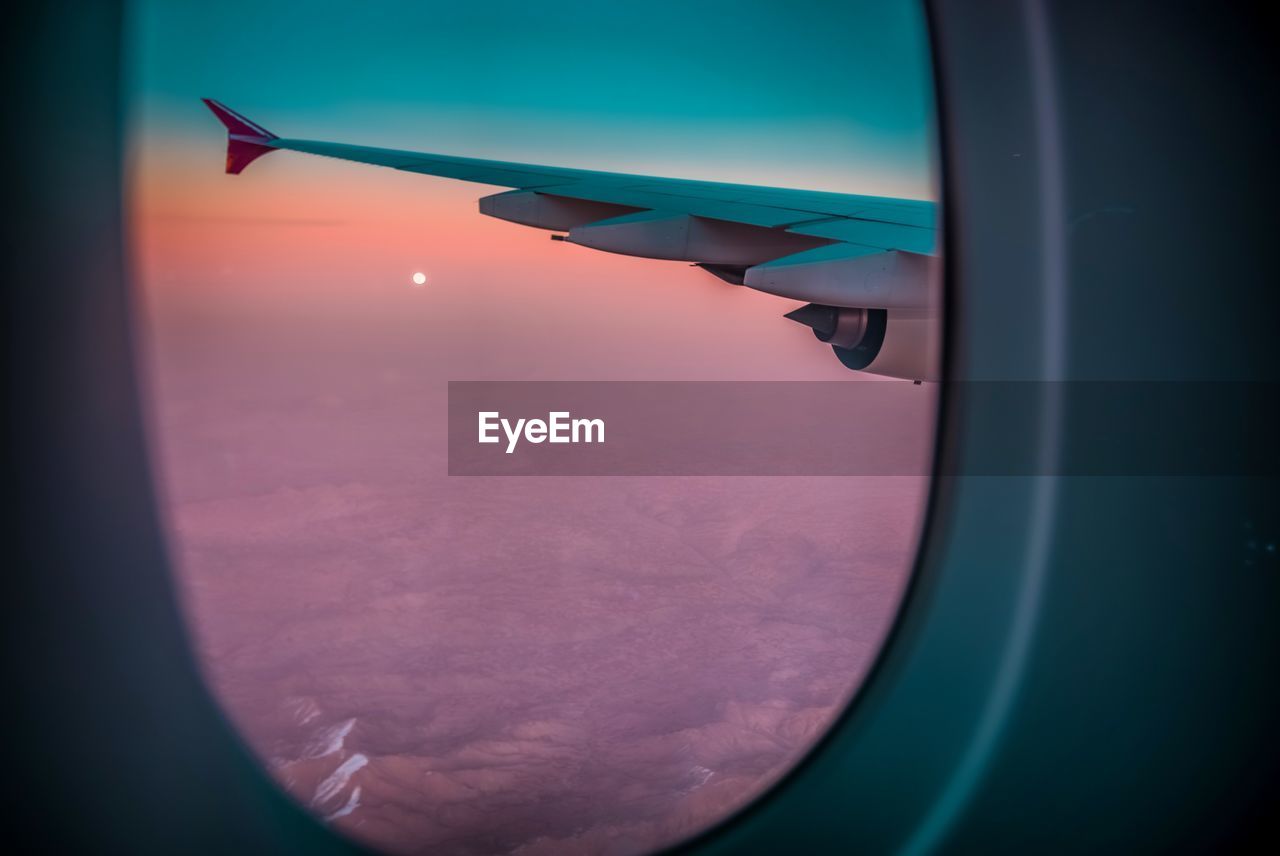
[866, 265]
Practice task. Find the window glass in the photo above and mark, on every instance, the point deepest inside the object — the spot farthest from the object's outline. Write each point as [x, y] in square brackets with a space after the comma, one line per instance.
[549, 663]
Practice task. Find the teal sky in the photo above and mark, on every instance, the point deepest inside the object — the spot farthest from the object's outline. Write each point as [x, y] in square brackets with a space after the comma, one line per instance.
[816, 93]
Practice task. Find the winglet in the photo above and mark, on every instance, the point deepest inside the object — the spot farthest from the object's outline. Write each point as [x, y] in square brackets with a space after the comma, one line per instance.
[246, 141]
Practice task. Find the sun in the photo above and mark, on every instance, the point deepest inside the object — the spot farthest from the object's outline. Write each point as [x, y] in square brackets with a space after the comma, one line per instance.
[419, 278]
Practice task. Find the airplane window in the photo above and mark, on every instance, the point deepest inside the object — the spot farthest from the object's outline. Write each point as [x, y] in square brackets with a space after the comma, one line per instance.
[606, 651]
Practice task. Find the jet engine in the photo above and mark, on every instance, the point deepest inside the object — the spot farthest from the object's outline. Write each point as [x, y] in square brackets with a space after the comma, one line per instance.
[900, 343]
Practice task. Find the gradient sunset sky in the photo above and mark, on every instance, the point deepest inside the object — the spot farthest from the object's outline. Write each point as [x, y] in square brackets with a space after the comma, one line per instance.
[823, 95]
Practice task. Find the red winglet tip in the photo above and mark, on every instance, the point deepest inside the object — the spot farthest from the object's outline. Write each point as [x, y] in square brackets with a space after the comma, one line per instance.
[245, 138]
[240, 154]
[235, 123]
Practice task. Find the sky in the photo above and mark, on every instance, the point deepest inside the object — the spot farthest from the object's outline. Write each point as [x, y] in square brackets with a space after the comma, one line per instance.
[827, 95]
[480, 665]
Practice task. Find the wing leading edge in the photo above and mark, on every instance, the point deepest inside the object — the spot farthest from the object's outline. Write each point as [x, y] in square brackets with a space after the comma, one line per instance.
[868, 264]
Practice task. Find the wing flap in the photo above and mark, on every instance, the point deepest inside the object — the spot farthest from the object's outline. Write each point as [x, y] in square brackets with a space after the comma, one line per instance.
[735, 212]
[871, 233]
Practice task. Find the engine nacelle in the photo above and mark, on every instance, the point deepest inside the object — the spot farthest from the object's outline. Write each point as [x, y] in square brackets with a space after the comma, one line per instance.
[851, 275]
[685, 237]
